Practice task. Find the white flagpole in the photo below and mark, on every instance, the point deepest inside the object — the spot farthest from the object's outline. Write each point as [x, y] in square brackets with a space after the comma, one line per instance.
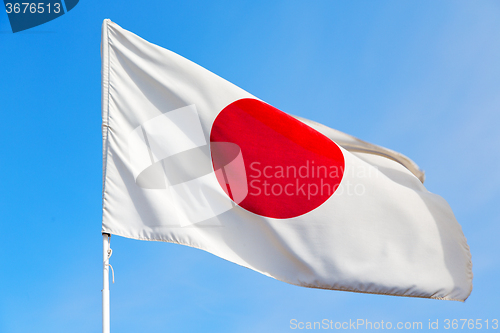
[105, 283]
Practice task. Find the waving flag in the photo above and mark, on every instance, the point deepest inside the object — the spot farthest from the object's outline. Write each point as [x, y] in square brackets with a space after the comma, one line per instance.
[190, 158]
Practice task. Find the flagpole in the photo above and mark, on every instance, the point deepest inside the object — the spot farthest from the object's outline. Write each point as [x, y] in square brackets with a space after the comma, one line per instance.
[105, 283]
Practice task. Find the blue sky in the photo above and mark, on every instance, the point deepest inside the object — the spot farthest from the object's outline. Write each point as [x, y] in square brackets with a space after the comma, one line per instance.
[419, 77]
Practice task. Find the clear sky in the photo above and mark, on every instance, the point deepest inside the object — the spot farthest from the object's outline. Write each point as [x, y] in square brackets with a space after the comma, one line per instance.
[419, 77]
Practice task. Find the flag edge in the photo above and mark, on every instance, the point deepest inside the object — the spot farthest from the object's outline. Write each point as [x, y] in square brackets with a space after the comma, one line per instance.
[105, 69]
[277, 279]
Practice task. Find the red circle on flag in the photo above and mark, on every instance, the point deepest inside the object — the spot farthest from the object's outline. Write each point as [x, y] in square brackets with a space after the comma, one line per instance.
[272, 164]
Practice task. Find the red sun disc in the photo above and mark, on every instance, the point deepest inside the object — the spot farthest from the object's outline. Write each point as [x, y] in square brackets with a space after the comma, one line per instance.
[289, 168]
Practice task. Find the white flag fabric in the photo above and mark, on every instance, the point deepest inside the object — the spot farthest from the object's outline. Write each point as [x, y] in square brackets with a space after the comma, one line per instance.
[192, 159]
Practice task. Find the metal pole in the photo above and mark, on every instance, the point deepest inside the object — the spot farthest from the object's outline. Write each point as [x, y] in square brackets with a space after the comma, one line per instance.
[105, 283]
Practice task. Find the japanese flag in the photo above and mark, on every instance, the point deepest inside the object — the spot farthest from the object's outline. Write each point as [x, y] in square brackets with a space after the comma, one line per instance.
[190, 158]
